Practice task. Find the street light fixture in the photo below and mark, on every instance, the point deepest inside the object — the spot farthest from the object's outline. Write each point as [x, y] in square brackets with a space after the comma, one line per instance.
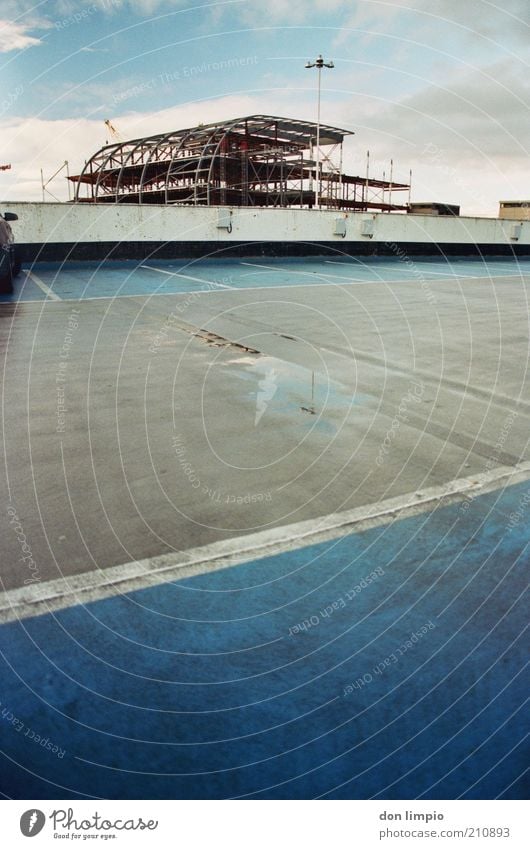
[318, 64]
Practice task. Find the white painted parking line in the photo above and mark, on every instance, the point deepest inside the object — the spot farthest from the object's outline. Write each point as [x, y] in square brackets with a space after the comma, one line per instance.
[312, 274]
[87, 587]
[510, 265]
[448, 274]
[21, 301]
[187, 277]
[219, 288]
[42, 286]
[350, 261]
[501, 276]
[452, 277]
[374, 271]
[359, 282]
[232, 289]
[265, 267]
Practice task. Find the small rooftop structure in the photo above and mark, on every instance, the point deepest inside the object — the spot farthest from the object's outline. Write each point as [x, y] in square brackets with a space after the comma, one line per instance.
[433, 208]
[258, 160]
[519, 209]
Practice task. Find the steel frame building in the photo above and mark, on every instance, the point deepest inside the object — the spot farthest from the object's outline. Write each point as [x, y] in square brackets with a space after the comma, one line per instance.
[259, 160]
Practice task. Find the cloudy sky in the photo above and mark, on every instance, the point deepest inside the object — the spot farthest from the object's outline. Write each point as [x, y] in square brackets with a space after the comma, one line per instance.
[440, 86]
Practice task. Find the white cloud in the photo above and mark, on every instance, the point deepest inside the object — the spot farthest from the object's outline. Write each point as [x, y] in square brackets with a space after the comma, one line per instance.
[466, 140]
[511, 18]
[14, 36]
[248, 9]
[477, 116]
[142, 8]
[292, 10]
[33, 144]
[468, 20]
[464, 143]
[484, 17]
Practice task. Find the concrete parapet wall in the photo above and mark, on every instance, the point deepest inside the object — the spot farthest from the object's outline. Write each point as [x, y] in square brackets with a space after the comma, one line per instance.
[56, 224]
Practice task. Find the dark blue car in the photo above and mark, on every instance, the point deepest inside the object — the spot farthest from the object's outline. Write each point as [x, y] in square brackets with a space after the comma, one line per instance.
[9, 263]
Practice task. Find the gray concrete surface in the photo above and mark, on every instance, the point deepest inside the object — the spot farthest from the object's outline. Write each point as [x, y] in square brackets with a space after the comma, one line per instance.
[171, 439]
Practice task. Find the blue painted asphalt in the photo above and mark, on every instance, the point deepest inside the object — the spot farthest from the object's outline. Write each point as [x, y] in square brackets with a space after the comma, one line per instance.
[83, 281]
[387, 663]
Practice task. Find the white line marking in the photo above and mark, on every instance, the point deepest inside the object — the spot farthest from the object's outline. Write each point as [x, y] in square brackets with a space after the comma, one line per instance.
[448, 274]
[313, 274]
[230, 288]
[521, 264]
[455, 273]
[21, 301]
[410, 279]
[266, 267]
[358, 281]
[187, 277]
[46, 289]
[382, 266]
[454, 270]
[357, 262]
[503, 274]
[72, 590]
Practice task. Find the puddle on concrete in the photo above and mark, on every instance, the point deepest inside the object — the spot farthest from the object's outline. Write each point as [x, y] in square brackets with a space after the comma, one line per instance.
[280, 388]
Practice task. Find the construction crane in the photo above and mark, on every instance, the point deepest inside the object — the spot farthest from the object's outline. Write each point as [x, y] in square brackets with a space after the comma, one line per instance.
[113, 131]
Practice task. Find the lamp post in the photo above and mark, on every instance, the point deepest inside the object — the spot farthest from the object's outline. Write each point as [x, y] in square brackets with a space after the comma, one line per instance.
[318, 64]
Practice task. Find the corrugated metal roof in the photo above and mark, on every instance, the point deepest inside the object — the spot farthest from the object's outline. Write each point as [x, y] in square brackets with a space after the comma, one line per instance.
[269, 126]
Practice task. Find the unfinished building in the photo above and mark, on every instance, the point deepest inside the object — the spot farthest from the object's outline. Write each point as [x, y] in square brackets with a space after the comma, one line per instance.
[259, 161]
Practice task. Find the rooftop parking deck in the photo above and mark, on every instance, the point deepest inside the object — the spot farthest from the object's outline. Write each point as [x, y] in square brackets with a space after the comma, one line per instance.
[175, 416]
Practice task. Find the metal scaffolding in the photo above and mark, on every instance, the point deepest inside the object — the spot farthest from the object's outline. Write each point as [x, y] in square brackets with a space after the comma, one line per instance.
[260, 161]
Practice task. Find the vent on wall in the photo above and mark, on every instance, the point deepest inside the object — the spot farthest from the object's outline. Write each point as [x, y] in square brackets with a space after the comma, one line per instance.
[224, 219]
[339, 227]
[367, 227]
